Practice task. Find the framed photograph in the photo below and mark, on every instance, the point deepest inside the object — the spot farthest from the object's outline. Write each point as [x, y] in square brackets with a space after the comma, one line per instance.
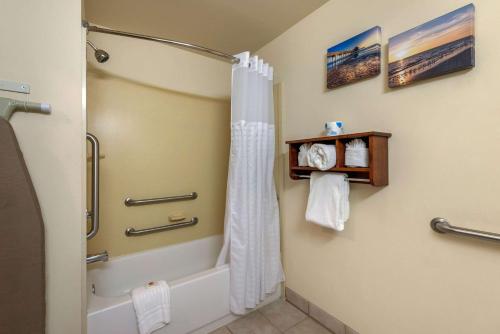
[438, 47]
[354, 59]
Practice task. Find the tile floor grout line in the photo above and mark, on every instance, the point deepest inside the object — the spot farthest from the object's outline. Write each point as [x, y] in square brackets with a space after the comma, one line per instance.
[298, 323]
[283, 331]
[269, 320]
[279, 330]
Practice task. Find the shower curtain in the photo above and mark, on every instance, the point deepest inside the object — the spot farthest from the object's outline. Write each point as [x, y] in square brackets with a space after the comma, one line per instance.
[251, 227]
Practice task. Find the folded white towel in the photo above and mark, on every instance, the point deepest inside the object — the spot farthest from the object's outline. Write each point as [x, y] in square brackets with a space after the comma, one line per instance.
[152, 306]
[303, 150]
[356, 153]
[328, 203]
[322, 156]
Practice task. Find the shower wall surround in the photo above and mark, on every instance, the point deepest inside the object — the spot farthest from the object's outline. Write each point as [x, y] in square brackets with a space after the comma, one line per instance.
[157, 143]
[387, 272]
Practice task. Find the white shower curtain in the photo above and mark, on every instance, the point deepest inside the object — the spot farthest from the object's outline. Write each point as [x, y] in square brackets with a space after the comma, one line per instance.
[251, 228]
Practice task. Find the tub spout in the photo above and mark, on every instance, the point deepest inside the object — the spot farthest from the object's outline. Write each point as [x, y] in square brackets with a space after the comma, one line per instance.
[101, 257]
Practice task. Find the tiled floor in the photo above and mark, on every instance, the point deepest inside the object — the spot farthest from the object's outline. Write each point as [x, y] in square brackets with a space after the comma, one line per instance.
[278, 317]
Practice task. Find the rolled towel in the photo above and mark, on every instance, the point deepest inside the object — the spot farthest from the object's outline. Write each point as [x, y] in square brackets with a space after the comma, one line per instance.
[322, 156]
[303, 150]
[328, 203]
[152, 306]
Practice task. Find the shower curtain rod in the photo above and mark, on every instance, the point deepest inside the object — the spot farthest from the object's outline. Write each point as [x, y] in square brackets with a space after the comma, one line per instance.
[225, 56]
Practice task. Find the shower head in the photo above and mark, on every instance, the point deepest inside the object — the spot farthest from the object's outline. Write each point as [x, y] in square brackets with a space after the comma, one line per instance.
[100, 55]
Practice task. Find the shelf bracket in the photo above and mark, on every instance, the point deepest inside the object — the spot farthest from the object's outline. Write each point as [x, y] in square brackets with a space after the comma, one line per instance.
[16, 87]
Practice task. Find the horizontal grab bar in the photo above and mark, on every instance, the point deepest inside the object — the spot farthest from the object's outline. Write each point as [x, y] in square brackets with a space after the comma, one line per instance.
[441, 225]
[135, 202]
[132, 232]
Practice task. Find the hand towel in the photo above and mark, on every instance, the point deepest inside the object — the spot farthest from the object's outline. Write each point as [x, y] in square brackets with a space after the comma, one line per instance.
[322, 156]
[302, 157]
[152, 306]
[328, 203]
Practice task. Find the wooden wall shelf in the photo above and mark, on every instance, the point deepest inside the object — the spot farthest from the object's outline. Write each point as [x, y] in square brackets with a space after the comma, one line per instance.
[378, 168]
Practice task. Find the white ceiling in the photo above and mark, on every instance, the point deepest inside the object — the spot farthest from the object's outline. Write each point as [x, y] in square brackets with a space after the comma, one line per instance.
[230, 26]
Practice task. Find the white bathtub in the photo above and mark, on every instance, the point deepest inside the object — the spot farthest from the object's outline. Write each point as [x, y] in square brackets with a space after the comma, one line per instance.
[199, 292]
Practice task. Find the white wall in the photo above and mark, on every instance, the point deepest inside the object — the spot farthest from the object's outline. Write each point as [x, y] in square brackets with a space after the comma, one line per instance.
[388, 272]
[41, 46]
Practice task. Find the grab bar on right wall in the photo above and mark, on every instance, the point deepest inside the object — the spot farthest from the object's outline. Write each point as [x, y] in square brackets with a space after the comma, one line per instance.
[441, 225]
[132, 232]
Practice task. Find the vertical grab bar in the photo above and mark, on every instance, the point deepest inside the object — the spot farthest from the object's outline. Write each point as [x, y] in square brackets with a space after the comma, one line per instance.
[93, 214]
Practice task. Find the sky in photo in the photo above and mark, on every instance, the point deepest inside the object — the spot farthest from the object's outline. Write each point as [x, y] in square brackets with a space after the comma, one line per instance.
[367, 38]
[447, 28]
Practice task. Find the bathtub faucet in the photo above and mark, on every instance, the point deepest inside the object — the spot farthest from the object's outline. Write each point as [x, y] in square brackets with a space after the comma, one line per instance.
[100, 257]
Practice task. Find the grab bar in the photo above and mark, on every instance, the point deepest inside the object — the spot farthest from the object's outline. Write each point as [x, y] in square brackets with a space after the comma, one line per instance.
[441, 225]
[93, 214]
[132, 232]
[135, 202]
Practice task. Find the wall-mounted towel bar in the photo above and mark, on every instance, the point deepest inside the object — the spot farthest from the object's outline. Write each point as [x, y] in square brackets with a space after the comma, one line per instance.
[132, 232]
[441, 225]
[351, 179]
[136, 202]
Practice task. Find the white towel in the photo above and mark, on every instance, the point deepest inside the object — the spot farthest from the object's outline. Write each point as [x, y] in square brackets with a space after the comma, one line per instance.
[322, 156]
[152, 306]
[328, 203]
[303, 150]
[356, 153]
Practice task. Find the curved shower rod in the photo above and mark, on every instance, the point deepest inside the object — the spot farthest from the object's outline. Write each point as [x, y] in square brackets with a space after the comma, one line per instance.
[225, 56]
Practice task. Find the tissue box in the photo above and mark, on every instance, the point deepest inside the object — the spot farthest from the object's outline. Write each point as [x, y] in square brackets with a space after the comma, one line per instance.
[356, 157]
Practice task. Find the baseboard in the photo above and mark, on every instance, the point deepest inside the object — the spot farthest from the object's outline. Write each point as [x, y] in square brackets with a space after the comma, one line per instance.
[318, 314]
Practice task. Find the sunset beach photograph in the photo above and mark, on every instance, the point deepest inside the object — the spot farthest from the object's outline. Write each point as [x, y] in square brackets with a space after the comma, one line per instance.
[438, 47]
[354, 59]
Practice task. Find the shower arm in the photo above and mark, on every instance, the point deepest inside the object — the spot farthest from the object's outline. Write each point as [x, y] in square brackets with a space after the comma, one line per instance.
[225, 56]
[10, 106]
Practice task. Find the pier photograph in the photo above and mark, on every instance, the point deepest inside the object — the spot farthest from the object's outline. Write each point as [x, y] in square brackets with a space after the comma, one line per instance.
[438, 47]
[354, 59]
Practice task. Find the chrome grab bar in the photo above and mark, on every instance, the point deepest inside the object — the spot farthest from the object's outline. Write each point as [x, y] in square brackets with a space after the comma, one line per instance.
[93, 214]
[101, 257]
[132, 232]
[135, 202]
[441, 225]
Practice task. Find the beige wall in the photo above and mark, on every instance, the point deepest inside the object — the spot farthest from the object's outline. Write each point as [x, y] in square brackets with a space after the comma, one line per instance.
[162, 66]
[156, 143]
[41, 46]
[388, 272]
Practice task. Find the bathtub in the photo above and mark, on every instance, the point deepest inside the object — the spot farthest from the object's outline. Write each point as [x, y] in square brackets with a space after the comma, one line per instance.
[199, 292]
